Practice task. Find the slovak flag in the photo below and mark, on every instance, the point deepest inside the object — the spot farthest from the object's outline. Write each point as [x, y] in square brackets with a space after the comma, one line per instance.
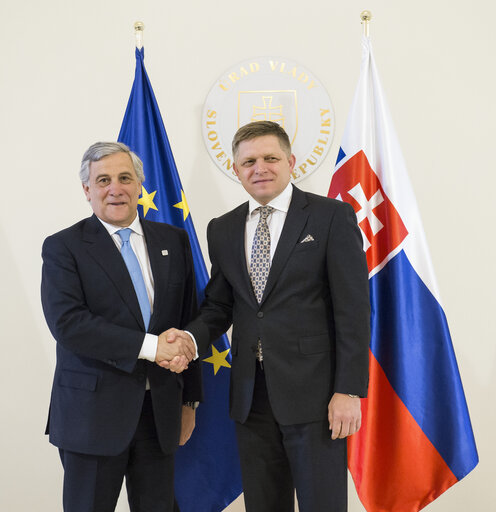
[416, 439]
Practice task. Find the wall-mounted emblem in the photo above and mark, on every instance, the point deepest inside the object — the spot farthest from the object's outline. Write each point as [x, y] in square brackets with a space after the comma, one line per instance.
[274, 89]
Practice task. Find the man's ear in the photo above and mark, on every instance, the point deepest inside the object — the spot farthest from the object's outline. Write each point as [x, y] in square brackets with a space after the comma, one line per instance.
[86, 190]
[292, 161]
[235, 170]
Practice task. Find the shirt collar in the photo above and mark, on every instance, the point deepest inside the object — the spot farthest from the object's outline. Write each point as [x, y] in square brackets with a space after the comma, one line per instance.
[135, 226]
[281, 202]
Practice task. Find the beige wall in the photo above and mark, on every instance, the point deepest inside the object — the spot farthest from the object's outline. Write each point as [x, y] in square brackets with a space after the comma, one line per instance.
[67, 70]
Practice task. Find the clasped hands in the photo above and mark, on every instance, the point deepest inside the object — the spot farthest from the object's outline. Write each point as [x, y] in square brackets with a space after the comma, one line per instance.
[175, 349]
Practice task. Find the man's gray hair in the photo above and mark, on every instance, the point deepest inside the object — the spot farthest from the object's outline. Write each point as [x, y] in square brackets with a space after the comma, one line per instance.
[100, 150]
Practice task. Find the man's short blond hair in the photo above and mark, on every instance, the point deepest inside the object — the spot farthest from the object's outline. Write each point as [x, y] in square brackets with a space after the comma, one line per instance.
[260, 129]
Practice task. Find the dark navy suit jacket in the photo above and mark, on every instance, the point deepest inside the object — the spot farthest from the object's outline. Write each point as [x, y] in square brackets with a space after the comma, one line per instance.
[314, 318]
[93, 313]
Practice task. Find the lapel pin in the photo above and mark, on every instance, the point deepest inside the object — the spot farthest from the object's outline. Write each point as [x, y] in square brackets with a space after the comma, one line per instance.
[165, 252]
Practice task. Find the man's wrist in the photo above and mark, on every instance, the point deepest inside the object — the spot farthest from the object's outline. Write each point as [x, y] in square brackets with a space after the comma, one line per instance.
[149, 348]
[193, 405]
[196, 346]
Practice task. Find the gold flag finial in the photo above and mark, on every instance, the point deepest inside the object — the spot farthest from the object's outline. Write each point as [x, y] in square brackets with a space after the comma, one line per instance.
[365, 16]
[139, 27]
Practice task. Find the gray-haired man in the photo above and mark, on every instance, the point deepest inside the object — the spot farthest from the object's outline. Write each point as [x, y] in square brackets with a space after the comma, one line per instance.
[106, 289]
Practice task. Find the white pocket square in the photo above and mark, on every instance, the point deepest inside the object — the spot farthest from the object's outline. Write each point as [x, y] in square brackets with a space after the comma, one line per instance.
[308, 238]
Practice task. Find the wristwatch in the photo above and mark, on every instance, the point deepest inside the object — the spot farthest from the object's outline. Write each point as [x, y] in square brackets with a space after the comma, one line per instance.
[193, 405]
[353, 396]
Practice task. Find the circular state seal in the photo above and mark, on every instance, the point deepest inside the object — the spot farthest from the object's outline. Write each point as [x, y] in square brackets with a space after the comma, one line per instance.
[269, 89]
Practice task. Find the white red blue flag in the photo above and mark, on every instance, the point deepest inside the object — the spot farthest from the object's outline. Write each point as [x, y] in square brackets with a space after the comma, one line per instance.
[416, 439]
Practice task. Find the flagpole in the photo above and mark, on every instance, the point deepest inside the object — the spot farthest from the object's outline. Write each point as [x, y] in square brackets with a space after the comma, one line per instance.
[139, 27]
[143, 130]
[365, 16]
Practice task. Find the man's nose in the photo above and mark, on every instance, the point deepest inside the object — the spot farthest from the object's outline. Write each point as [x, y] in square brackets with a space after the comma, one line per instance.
[260, 166]
[115, 188]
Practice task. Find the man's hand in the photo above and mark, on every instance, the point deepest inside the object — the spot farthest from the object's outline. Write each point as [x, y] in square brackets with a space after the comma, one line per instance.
[176, 365]
[345, 415]
[175, 349]
[187, 424]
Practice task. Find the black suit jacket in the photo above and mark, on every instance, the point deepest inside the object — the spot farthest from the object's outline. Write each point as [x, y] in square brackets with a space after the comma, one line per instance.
[313, 320]
[93, 313]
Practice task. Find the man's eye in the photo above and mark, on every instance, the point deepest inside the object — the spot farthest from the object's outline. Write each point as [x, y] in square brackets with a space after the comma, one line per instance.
[271, 159]
[125, 179]
[103, 181]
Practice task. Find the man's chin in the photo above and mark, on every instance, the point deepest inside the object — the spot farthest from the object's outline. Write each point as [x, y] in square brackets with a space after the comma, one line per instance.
[120, 220]
[262, 192]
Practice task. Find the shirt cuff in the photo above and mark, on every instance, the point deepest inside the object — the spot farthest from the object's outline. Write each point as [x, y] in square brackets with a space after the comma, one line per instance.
[196, 346]
[149, 348]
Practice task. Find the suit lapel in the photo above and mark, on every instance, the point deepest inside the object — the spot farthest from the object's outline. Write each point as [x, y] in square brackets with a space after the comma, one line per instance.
[237, 238]
[104, 251]
[160, 265]
[293, 226]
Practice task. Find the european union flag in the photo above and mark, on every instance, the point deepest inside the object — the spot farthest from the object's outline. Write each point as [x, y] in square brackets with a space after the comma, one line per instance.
[207, 469]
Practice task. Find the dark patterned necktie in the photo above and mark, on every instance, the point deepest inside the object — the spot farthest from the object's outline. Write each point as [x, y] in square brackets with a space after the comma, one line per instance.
[260, 253]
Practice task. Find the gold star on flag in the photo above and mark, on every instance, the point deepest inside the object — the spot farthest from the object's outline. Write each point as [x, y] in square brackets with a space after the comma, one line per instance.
[183, 205]
[146, 200]
[218, 359]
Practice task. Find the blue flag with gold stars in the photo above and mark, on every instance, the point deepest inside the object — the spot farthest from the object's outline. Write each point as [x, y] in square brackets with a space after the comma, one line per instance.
[207, 473]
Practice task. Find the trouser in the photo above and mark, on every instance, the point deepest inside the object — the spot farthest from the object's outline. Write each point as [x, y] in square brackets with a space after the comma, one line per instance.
[93, 483]
[277, 459]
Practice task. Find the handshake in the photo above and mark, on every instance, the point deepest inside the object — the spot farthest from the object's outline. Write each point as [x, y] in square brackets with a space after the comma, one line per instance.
[175, 349]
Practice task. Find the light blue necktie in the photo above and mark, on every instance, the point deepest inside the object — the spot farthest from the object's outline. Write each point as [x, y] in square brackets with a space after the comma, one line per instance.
[134, 269]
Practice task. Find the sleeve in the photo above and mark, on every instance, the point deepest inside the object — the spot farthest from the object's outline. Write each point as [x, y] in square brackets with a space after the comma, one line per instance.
[192, 377]
[148, 350]
[215, 316]
[348, 282]
[71, 320]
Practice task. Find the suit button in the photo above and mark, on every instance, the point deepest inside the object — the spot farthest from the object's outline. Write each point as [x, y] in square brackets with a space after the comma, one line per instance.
[260, 314]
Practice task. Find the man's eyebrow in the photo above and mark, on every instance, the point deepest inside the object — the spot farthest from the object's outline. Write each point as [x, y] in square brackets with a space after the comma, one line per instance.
[101, 175]
[251, 157]
[106, 174]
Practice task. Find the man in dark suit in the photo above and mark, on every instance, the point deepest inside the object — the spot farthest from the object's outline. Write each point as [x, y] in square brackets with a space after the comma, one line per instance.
[289, 273]
[112, 285]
